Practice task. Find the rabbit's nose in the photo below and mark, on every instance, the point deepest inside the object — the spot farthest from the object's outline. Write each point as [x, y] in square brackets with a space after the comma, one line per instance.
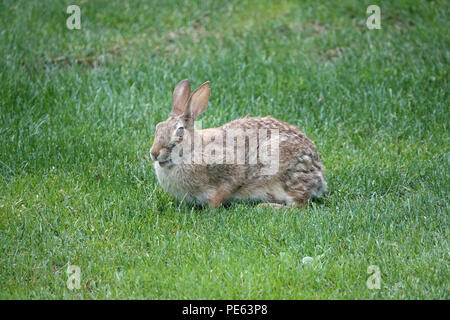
[154, 153]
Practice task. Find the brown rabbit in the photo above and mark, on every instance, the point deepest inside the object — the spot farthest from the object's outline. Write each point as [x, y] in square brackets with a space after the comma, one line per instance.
[208, 166]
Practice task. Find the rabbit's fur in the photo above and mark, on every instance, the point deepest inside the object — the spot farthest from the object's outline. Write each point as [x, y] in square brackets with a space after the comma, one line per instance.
[299, 171]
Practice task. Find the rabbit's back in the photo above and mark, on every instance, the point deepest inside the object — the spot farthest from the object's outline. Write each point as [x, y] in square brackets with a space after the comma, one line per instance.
[300, 172]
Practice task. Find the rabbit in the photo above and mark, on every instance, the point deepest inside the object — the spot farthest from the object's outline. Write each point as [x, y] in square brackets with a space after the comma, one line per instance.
[186, 167]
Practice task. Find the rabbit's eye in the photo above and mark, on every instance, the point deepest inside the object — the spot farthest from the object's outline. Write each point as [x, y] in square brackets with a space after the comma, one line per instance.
[179, 132]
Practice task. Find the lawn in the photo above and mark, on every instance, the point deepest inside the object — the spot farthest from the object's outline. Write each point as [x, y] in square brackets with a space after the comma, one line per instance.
[78, 110]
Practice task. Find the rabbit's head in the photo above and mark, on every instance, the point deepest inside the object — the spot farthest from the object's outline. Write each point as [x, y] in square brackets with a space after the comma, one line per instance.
[185, 109]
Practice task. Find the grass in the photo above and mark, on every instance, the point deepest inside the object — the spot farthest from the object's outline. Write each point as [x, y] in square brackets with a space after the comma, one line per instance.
[78, 110]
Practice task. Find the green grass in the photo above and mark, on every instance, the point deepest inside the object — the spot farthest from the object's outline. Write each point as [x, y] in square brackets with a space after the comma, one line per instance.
[78, 109]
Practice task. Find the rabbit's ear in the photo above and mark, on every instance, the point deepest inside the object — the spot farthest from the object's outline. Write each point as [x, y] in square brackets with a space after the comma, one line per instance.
[198, 101]
[180, 97]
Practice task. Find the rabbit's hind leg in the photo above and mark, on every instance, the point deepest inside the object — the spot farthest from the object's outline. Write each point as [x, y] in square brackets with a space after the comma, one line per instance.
[299, 197]
[273, 205]
[277, 198]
